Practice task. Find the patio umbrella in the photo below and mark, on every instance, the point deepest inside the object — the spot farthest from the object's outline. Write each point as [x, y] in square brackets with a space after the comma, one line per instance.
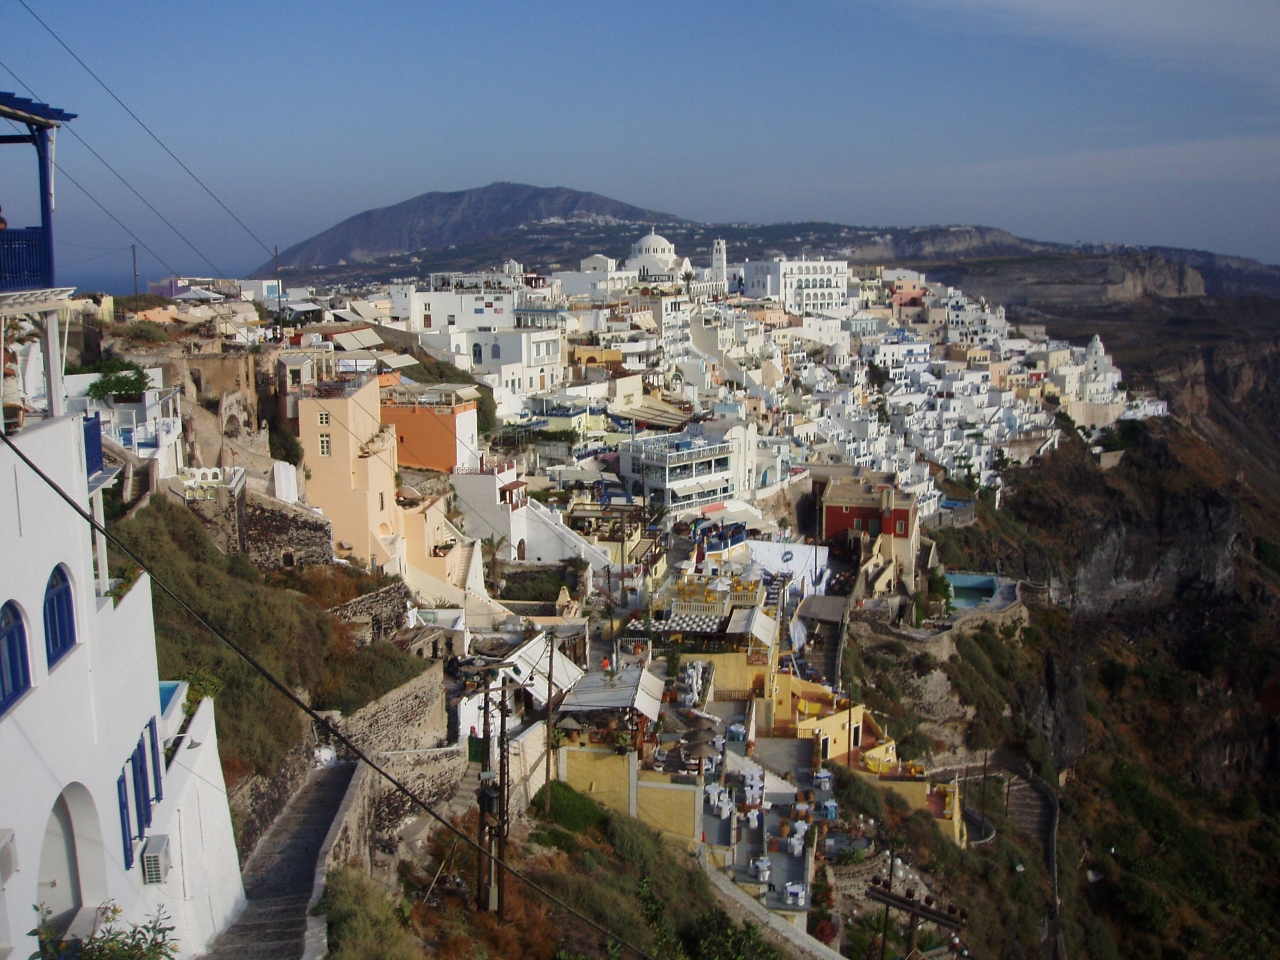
[698, 736]
[568, 723]
[702, 723]
[700, 751]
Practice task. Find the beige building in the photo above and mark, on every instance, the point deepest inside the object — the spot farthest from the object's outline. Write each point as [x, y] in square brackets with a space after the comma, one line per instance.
[351, 458]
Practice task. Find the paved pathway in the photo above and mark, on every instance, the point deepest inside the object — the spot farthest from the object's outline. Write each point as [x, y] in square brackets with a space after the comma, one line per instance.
[279, 876]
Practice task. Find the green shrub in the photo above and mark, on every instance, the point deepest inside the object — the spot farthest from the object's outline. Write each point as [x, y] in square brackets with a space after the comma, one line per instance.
[570, 809]
[854, 793]
[285, 446]
[146, 332]
[363, 923]
[633, 842]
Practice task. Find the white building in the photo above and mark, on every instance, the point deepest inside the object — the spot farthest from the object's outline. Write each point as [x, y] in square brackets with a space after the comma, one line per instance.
[515, 363]
[111, 793]
[447, 310]
[799, 285]
[496, 504]
[682, 472]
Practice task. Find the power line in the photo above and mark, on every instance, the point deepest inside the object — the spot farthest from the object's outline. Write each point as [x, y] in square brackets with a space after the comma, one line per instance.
[293, 698]
[150, 133]
[98, 256]
[98, 203]
[118, 176]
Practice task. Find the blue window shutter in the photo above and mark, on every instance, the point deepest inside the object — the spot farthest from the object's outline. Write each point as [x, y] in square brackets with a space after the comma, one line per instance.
[59, 616]
[156, 758]
[141, 789]
[126, 829]
[15, 672]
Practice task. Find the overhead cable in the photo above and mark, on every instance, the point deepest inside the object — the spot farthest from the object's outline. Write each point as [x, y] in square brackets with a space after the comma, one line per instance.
[149, 131]
[316, 717]
[118, 176]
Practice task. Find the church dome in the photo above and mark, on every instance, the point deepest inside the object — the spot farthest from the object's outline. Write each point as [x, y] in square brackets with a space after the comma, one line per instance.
[653, 244]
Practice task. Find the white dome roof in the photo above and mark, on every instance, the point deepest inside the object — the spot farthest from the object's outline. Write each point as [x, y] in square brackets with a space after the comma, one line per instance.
[653, 243]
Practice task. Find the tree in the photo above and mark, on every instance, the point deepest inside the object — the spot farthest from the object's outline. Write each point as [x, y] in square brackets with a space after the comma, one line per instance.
[491, 549]
[119, 379]
[687, 277]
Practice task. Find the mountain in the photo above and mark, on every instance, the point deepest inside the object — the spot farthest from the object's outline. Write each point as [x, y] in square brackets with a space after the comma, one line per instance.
[437, 219]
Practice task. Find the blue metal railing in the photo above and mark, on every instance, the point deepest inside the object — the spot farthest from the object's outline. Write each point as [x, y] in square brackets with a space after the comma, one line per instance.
[93, 445]
[22, 258]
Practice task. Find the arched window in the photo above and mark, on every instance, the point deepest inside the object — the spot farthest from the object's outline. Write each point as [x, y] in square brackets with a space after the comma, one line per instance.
[59, 616]
[15, 675]
[495, 352]
[477, 354]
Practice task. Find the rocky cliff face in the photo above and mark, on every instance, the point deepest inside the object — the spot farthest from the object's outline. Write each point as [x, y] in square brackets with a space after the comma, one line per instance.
[1072, 282]
[1178, 548]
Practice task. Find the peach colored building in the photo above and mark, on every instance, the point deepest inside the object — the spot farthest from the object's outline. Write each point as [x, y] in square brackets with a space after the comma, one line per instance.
[435, 426]
[352, 459]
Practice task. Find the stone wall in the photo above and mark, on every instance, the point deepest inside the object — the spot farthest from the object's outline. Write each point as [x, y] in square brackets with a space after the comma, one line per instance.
[376, 615]
[278, 534]
[268, 531]
[403, 732]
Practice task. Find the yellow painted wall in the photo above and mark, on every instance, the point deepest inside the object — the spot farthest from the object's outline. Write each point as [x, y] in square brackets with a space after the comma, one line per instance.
[670, 809]
[600, 774]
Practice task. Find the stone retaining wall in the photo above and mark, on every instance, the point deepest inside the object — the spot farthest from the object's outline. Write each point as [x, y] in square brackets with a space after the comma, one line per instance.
[376, 615]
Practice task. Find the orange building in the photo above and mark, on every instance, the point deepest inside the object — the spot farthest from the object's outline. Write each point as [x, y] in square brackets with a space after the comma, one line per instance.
[435, 425]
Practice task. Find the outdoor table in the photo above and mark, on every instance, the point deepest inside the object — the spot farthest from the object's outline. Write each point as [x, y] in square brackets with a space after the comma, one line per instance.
[795, 893]
[822, 780]
[725, 809]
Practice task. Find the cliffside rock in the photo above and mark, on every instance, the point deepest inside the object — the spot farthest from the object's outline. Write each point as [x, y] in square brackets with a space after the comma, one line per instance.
[1181, 549]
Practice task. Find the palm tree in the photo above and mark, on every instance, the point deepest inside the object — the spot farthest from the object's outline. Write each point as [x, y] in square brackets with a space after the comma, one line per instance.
[687, 277]
[491, 550]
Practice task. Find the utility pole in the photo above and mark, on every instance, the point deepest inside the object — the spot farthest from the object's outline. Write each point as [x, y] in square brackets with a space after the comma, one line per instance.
[276, 255]
[134, 248]
[888, 886]
[982, 825]
[551, 658]
[504, 783]
[484, 861]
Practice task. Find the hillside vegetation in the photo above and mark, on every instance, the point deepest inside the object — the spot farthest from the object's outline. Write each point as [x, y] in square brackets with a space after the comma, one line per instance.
[1151, 692]
[289, 633]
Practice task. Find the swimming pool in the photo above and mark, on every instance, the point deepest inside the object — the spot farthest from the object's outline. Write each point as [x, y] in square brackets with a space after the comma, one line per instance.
[969, 590]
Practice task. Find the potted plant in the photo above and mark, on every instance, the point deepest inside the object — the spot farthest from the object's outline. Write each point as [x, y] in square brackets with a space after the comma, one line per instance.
[622, 741]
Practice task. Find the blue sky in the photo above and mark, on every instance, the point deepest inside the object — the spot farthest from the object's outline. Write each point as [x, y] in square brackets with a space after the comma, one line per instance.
[1138, 122]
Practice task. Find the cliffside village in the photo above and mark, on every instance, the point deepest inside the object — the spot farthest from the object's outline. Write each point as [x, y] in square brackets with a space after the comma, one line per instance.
[735, 466]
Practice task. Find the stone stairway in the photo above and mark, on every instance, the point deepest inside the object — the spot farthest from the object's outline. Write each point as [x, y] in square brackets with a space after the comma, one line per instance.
[1031, 812]
[278, 877]
[465, 553]
[464, 798]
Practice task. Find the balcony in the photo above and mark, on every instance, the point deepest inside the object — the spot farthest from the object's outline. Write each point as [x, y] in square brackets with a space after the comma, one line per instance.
[22, 259]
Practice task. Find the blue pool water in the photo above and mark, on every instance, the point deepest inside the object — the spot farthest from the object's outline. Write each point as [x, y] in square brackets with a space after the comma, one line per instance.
[969, 590]
[167, 689]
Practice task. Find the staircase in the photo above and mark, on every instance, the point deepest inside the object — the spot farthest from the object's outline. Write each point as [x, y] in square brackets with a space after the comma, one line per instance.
[278, 877]
[464, 798]
[465, 552]
[1031, 812]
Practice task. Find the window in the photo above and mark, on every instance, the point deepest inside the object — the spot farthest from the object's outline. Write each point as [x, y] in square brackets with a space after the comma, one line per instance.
[59, 616]
[326, 445]
[382, 501]
[15, 675]
[126, 827]
[901, 527]
[495, 352]
[324, 418]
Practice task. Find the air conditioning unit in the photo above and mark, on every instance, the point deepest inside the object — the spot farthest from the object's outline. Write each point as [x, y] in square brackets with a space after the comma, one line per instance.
[8, 856]
[155, 858]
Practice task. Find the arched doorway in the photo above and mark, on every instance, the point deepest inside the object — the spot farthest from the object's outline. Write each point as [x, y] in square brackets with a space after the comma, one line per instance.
[520, 550]
[73, 871]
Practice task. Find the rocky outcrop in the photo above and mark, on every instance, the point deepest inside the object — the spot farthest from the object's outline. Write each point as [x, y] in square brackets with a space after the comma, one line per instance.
[1072, 282]
[1182, 549]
